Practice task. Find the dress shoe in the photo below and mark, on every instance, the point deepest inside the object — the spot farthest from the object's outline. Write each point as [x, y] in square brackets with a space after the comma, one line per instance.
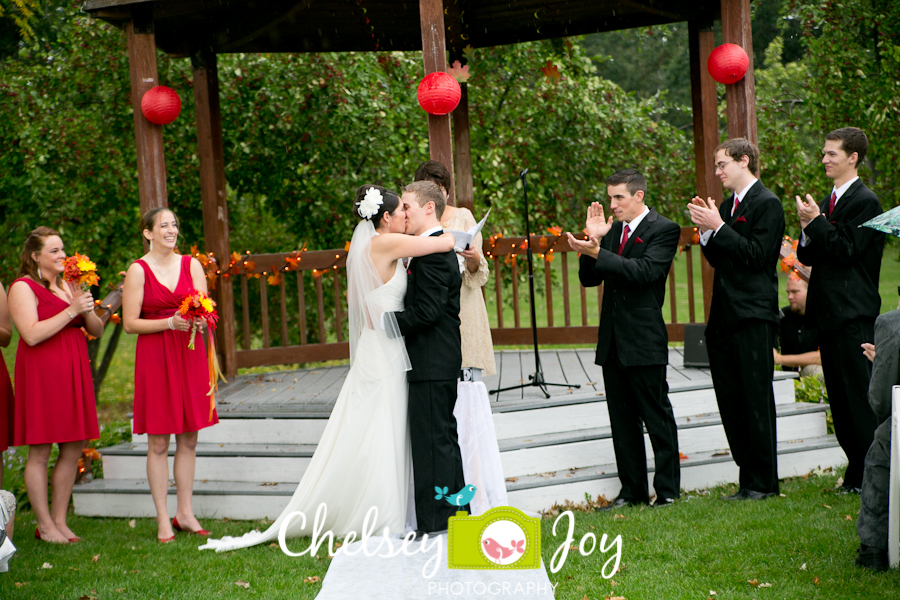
[661, 502]
[617, 503]
[177, 527]
[845, 490]
[872, 558]
[748, 494]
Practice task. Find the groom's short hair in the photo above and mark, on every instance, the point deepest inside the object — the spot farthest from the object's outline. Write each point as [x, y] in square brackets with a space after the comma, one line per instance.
[428, 191]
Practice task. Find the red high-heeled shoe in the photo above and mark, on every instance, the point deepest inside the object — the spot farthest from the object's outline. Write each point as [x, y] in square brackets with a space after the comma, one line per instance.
[177, 527]
[37, 536]
[166, 540]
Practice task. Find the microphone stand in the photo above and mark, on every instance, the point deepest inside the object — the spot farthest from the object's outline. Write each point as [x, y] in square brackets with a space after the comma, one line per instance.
[536, 379]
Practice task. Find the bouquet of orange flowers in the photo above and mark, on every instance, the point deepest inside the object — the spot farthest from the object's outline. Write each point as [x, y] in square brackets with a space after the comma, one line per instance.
[80, 271]
[197, 306]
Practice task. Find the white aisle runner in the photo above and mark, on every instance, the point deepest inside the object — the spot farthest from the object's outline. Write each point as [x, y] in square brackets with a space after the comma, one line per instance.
[404, 576]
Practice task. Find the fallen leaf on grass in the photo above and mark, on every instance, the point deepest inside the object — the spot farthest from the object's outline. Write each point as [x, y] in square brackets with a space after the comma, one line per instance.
[614, 597]
[816, 580]
[571, 547]
[753, 582]
[243, 584]
[46, 566]
[848, 517]
[620, 517]
[120, 590]
[96, 558]
[21, 583]
[132, 523]
[613, 582]
[826, 506]
[313, 579]
[86, 597]
[273, 545]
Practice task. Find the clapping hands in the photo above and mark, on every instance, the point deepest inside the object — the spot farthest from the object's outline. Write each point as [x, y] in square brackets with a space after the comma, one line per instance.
[807, 211]
[704, 214]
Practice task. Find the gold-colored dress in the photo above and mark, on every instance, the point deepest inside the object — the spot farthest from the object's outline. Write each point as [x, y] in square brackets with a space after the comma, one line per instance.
[474, 329]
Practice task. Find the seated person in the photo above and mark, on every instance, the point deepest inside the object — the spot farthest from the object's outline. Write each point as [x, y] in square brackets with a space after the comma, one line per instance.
[798, 336]
[872, 524]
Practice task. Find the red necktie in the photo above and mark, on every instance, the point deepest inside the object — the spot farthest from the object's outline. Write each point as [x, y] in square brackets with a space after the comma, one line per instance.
[624, 239]
[735, 205]
[831, 203]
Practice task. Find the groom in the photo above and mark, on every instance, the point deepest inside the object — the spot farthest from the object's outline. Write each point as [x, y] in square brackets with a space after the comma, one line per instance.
[430, 324]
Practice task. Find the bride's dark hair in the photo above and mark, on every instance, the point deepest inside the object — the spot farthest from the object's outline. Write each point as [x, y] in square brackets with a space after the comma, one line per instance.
[390, 202]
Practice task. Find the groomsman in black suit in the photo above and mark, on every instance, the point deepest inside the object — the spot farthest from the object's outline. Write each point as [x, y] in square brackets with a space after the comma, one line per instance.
[430, 324]
[741, 240]
[843, 297]
[632, 257]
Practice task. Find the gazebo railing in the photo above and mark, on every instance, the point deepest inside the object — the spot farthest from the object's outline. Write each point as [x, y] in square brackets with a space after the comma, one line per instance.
[277, 324]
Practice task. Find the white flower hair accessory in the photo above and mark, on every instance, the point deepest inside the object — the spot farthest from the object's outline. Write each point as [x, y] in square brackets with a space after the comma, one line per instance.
[369, 206]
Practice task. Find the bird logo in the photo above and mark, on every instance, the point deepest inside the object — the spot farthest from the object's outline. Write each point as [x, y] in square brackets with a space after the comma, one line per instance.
[495, 551]
[460, 498]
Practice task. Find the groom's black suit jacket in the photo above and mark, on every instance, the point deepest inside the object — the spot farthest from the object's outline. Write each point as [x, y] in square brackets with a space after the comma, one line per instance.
[430, 321]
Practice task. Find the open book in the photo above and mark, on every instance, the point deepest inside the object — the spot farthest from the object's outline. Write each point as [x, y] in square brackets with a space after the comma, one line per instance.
[464, 238]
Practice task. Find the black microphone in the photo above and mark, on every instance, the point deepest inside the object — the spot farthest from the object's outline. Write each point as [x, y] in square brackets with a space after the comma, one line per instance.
[523, 173]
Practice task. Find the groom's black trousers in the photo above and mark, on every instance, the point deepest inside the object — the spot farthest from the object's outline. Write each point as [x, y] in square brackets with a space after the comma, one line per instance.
[435, 451]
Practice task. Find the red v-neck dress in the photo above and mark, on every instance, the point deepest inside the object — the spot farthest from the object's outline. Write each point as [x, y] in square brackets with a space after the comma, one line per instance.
[55, 399]
[170, 381]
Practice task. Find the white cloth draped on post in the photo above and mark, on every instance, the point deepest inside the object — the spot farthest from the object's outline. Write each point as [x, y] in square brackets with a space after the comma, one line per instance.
[478, 446]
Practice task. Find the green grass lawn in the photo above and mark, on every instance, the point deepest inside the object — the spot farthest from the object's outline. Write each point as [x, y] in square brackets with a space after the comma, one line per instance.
[802, 544]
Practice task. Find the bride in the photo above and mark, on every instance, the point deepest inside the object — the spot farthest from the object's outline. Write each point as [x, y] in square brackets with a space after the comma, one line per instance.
[363, 457]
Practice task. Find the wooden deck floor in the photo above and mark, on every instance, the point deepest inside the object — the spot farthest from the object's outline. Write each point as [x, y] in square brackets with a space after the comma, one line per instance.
[312, 392]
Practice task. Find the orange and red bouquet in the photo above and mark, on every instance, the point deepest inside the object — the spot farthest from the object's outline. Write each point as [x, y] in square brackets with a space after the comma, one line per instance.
[197, 306]
[80, 271]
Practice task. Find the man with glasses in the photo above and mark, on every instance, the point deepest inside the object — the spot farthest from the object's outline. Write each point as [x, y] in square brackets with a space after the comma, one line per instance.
[843, 298]
[741, 240]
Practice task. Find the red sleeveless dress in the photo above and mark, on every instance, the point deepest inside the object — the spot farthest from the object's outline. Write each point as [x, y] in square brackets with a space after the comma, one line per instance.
[170, 381]
[7, 408]
[55, 399]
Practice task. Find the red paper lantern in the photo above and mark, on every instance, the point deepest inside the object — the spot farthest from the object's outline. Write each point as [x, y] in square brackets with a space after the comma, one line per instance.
[728, 63]
[161, 105]
[438, 93]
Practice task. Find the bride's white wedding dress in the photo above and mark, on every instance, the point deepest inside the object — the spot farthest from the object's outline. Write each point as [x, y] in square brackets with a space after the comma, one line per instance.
[363, 458]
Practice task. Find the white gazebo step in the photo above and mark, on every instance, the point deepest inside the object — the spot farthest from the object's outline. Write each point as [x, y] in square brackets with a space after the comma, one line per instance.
[697, 434]
[797, 457]
[260, 463]
[522, 419]
[241, 500]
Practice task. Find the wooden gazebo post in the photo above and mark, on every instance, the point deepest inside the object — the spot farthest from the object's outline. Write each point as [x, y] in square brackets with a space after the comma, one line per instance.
[151, 161]
[434, 55]
[740, 97]
[214, 197]
[706, 131]
[462, 153]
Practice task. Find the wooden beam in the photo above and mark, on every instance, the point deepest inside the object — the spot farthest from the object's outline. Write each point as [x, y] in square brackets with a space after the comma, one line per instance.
[434, 56]
[151, 161]
[740, 98]
[213, 197]
[706, 131]
[462, 153]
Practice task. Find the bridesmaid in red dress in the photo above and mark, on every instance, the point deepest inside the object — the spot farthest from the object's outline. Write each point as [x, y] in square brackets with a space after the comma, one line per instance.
[55, 400]
[170, 381]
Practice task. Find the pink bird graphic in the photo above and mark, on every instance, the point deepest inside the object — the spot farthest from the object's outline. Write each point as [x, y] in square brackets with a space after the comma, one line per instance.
[494, 550]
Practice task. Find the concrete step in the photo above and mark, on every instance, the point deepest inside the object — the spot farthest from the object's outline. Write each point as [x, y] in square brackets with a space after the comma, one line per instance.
[699, 471]
[242, 500]
[511, 420]
[520, 456]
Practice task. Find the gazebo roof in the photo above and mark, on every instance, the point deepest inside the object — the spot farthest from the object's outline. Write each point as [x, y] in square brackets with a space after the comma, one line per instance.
[228, 26]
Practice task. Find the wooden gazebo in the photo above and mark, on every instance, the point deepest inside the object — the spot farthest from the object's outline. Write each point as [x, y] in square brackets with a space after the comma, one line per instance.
[202, 29]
